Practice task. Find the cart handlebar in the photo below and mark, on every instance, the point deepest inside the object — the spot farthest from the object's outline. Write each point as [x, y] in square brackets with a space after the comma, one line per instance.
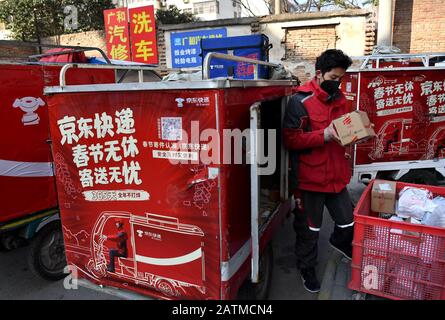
[425, 57]
[82, 49]
[210, 56]
[65, 68]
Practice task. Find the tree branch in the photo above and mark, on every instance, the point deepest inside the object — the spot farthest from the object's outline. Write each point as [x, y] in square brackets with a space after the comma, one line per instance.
[247, 7]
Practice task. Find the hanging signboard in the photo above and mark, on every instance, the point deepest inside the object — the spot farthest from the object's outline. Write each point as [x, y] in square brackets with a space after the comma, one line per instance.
[186, 48]
[143, 35]
[116, 30]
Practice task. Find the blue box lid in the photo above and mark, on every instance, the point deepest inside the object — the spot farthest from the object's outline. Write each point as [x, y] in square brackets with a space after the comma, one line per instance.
[249, 41]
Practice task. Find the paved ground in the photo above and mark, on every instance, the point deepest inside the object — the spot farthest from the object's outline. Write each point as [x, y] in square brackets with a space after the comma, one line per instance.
[17, 282]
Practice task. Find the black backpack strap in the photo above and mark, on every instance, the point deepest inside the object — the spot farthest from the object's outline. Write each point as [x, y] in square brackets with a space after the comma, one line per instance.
[296, 117]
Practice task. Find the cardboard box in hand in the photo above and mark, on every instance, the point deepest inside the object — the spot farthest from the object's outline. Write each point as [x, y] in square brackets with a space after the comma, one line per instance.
[353, 127]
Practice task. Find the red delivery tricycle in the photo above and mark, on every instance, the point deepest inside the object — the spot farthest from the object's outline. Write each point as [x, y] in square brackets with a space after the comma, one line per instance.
[404, 97]
[178, 186]
[29, 210]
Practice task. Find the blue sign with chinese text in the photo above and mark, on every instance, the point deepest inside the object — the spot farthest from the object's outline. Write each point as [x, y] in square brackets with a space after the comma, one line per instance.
[186, 48]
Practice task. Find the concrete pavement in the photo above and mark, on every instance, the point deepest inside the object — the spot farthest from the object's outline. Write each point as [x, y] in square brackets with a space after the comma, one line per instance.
[17, 282]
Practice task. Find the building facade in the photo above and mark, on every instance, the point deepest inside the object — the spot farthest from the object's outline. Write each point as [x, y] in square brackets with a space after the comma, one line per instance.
[205, 10]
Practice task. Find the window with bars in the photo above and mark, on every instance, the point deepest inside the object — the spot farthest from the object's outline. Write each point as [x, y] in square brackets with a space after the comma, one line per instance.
[206, 7]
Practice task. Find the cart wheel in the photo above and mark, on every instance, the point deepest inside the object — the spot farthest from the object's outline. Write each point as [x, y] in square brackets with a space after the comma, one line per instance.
[260, 290]
[420, 177]
[359, 296]
[47, 253]
[166, 287]
[99, 272]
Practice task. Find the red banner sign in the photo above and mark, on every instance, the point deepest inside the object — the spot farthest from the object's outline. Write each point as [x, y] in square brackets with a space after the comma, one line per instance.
[116, 30]
[408, 111]
[143, 35]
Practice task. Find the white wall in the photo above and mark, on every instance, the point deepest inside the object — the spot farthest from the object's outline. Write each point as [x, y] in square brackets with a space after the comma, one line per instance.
[4, 34]
[350, 33]
[226, 8]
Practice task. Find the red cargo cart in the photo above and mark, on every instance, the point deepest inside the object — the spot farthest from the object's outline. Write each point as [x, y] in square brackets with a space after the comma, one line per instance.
[404, 96]
[397, 260]
[29, 208]
[156, 169]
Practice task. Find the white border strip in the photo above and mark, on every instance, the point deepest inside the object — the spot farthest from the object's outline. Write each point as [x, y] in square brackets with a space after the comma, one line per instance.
[345, 226]
[25, 169]
[229, 268]
[171, 261]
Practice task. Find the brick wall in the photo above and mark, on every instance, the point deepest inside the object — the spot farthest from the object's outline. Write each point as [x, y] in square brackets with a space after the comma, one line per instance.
[13, 52]
[370, 34]
[305, 44]
[419, 26]
[84, 39]
[162, 58]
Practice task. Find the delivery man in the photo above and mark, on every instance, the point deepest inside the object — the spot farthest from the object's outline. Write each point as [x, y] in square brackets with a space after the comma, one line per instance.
[121, 243]
[319, 163]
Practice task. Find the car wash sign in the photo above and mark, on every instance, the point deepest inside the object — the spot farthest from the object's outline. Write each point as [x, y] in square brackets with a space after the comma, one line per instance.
[186, 46]
[131, 34]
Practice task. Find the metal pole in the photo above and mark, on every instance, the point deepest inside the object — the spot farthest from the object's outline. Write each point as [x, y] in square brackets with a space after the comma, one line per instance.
[385, 23]
[277, 6]
[254, 192]
[37, 31]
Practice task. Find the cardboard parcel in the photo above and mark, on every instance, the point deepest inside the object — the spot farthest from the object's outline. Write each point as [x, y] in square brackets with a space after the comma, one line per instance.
[353, 127]
[383, 196]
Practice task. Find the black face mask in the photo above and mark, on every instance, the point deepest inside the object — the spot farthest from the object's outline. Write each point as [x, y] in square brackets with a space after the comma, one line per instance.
[330, 86]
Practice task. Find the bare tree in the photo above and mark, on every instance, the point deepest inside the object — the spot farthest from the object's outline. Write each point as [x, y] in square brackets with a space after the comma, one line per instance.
[269, 5]
[309, 5]
[246, 5]
[318, 5]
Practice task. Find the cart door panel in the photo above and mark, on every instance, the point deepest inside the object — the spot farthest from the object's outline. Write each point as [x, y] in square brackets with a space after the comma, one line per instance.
[172, 204]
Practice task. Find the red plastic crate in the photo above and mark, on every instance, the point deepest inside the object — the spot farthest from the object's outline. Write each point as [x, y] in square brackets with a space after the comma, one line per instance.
[397, 260]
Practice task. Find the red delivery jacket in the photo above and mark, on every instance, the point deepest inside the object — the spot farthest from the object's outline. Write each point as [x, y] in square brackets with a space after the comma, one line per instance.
[321, 167]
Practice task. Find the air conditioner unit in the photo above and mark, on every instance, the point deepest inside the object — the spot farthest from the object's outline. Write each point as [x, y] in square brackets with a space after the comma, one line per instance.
[163, 3]
[186, 1]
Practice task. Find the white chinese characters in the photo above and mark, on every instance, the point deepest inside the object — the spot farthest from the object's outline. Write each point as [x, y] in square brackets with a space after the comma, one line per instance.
[104, 162]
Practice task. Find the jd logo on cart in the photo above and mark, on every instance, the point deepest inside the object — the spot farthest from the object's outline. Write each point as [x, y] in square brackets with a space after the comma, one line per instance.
[140, 233]
[28, 106]
[377, 82]
[202, 101]
[180, 102]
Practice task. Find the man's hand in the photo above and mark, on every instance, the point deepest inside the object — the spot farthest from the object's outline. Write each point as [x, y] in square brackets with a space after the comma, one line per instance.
[330, 134]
